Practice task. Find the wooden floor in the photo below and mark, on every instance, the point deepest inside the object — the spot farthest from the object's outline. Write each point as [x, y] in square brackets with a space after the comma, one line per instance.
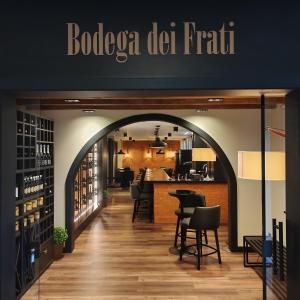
[115, 259]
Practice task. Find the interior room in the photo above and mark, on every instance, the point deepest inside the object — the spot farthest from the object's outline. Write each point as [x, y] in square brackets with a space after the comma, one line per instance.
[109, 166]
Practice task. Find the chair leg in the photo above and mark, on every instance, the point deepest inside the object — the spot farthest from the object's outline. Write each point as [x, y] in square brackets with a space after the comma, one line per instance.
[201, 242]
[199, 247]
[176, 232]
[218, 246]
[205, 236]
[182, 243]
[151, 211]
[134, 210]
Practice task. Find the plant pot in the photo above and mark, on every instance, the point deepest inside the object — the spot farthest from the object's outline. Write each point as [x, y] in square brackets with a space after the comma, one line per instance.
[58, 251]
[105, 201]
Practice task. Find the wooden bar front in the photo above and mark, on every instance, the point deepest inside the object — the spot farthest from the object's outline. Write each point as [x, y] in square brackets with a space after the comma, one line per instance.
[165, 205]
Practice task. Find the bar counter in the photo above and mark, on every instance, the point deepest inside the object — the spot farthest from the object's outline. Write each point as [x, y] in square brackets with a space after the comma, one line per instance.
[216, 193]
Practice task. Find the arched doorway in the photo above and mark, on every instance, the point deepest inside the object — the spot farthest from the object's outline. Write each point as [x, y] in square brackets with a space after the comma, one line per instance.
[229, 172]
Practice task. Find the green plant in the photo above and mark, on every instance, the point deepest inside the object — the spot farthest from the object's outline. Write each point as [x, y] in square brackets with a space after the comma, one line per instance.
[106, 194]
[60, 235]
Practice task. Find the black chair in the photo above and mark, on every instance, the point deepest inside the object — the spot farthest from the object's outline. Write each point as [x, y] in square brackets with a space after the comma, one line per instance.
[186, 210]
[139, 197]
[203, 218]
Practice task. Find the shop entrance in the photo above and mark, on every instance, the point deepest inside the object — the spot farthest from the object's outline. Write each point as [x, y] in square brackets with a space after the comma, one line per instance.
[231, 179]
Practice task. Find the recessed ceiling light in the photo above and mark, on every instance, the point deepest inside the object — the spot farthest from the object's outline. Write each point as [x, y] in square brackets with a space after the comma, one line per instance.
[88, 110]
[215, 100]
[201, 110]
[72, 100]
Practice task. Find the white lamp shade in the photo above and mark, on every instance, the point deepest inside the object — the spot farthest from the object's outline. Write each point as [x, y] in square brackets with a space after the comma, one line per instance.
[203, 154]
[249, 165]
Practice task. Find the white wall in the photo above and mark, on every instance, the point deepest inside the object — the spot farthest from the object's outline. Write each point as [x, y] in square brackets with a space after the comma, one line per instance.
[233, 130]
[275, 190]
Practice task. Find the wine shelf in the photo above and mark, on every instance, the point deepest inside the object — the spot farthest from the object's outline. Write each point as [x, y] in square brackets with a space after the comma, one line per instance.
[34, 198]
[86, 187]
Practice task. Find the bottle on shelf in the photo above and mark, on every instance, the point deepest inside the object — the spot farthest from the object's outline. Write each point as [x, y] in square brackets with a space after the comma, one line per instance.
[45, 159]
[49, 162]
[37, 156]
[41, 156]
[41, 185]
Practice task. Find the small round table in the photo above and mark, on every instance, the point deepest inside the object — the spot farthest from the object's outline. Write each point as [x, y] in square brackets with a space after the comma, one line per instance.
[181, 195]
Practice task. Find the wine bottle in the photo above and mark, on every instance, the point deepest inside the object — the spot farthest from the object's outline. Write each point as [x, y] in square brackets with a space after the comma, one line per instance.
[41, 156]
[45, 155]
[37, 156]
[25, 185]
[41, 183]
[48, 156]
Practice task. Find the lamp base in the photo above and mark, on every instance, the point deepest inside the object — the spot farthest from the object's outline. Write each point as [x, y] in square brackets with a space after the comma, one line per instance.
[207, 178]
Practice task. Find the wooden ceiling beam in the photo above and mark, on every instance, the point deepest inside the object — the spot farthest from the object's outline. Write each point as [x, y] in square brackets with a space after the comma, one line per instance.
[143, 107]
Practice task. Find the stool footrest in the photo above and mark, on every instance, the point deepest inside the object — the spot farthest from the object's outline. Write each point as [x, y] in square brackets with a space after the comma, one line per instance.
[185, 250]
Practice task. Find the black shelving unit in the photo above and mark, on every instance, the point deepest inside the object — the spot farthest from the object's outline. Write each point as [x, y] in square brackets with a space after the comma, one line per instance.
[34, 198]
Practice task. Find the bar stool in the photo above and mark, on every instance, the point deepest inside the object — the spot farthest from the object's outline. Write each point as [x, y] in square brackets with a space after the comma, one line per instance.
[138, 197]
[186, 210]
[203, 218]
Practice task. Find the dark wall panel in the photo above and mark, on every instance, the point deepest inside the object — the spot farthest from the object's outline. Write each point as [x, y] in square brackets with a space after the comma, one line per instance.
[293, 192]
[7, 197]
[267, 50]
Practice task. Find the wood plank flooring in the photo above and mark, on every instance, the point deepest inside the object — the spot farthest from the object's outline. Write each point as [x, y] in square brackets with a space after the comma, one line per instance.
[115, 259]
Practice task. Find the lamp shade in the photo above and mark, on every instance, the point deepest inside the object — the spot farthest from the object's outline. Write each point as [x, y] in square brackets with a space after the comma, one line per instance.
[203, 154]
[249, 165]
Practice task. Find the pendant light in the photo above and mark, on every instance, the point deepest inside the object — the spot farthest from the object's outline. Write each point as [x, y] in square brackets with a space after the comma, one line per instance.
[158, 143]
[121, 152]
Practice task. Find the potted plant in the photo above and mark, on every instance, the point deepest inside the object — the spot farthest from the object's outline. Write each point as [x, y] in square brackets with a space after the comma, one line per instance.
[60, 236]
[106, 197]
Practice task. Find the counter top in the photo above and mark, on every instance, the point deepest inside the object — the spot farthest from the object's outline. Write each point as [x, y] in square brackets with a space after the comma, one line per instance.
[160, 176]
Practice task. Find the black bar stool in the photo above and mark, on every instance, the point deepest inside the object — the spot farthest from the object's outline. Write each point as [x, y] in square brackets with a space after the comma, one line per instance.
[186, 210]
[203, 218]
[138, 197]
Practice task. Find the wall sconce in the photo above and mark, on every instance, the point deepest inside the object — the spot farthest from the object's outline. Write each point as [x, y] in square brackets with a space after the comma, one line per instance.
[148, 154]
[127, 153]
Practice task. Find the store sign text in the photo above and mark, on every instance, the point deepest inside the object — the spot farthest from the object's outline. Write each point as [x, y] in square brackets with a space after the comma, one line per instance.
[126, 43]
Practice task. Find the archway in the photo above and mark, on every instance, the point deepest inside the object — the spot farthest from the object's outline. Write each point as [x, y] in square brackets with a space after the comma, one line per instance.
[229, 172]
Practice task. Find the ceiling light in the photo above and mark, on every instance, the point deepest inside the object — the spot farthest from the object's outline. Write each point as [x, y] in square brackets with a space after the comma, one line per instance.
[158, 143]
[160, 151]
[88, 110]
[215, 99]
[72, 100]
[201, 110]
[121, 152]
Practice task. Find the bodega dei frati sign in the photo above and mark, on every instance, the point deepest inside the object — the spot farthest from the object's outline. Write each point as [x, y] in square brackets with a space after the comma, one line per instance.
[124, 44]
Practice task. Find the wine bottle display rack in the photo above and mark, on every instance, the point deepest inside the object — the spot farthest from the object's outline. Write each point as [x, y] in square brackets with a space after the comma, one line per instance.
[34, 198]
[86, 186]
